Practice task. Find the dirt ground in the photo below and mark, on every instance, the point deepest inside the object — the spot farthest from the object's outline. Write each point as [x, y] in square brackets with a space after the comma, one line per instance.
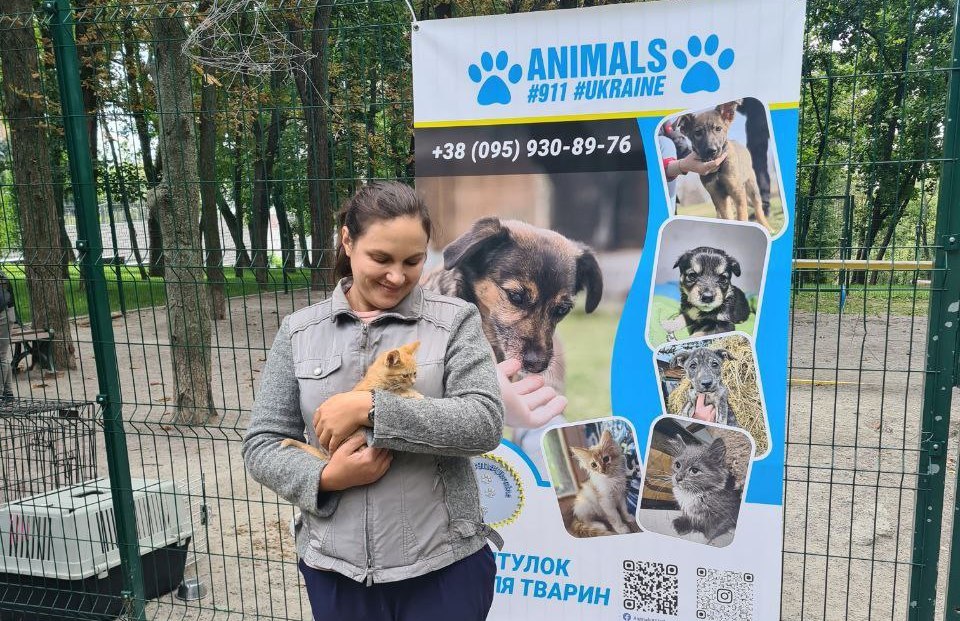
[854, 417]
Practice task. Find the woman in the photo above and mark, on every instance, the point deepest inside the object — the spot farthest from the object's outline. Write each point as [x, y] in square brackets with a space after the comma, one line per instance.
[391, 525]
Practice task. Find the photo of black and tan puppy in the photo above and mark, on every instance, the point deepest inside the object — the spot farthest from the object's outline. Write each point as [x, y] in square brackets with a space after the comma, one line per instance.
[708, 279]
[595, 470]
[715, 379]
[695, 479]
[548, 259]
[721, 162]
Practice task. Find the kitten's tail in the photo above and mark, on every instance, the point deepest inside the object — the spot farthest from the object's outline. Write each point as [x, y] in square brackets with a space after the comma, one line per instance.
[583, 529]
[305, 447]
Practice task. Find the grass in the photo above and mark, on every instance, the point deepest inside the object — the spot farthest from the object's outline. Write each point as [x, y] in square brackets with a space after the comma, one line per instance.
[588, 346]
[707, 210]
[875, 301]
[139, 293]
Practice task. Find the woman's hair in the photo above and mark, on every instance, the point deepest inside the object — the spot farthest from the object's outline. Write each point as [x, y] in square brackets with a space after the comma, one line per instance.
[375, 202]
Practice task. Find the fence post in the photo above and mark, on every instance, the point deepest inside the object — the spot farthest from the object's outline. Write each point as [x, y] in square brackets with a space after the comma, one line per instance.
[90, 246]
[939, 365]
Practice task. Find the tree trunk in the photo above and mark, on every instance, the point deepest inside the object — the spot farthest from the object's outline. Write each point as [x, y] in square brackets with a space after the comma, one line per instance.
[131, 63]
[313, 91]
[208, 200]
[153, 227]
[259, 205]
[287, 253]
[58, 168]
[23, 107]
[236, 217]
[236, 231]
[188, 303]
[125, 201]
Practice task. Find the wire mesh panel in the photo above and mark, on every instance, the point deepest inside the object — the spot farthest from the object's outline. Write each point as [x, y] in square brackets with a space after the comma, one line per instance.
[45, 445]
[222, 136]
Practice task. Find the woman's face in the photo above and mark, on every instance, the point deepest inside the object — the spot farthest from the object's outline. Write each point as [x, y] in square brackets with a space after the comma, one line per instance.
[386, 260]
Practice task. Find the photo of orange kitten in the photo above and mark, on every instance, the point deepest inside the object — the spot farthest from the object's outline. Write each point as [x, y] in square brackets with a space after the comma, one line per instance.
[394, 370]
[601, 504]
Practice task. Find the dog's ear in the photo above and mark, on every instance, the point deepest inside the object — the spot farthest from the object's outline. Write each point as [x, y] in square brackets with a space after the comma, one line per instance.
[723, 353]
[683, 123]
[683, 258]
[734, 265]
[727, 111]
[680, 358]
[589, 277]
[481, 234]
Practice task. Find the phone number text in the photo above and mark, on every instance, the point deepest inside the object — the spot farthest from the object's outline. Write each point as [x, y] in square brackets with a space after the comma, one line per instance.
[511, 150]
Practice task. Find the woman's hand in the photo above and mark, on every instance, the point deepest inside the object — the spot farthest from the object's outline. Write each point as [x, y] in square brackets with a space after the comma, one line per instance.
[340, 416]
[704, 412]
[692, 163]
[527, 402]
[354, 464]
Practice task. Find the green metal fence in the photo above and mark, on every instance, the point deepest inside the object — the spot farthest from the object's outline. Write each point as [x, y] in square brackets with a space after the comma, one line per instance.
[283, 108]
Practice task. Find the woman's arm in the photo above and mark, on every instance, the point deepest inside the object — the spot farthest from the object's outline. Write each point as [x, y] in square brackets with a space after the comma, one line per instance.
[290, 472]
[467, 421]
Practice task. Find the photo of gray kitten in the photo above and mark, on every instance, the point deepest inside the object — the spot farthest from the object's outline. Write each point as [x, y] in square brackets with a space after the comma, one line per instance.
[601, 507]
[697, 473]
[705, 488]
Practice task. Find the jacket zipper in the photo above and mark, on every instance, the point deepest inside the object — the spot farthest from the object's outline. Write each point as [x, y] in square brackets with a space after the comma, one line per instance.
[364, 333]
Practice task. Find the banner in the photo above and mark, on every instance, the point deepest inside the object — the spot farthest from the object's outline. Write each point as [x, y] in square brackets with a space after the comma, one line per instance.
[613, 187]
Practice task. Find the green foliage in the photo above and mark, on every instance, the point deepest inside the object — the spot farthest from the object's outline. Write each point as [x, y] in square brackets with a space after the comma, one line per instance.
[871, 125]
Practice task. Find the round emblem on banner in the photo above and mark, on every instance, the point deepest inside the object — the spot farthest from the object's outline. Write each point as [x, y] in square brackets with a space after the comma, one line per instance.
[501, 493]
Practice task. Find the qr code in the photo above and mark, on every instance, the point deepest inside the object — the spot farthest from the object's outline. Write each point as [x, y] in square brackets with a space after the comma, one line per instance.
[724, 595]
[650, 587]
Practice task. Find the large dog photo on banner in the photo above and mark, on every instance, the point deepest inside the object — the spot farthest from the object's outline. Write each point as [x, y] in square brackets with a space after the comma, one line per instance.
[548, 259]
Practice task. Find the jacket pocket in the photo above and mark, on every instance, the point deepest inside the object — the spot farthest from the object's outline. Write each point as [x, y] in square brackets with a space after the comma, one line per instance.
[310, 369]
[318, 380]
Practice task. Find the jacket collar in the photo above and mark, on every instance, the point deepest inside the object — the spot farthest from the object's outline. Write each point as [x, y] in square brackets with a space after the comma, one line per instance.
[410, 308]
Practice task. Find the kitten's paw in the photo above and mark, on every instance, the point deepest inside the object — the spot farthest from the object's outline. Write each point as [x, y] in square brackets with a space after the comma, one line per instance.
[287, 442]
[682, 525]
[622, 529]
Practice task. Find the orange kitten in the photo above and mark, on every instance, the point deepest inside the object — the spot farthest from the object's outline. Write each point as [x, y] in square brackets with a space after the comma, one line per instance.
[601, 504]
[394, 370]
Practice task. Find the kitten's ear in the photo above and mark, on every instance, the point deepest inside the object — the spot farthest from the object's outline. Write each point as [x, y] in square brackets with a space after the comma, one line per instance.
[606, 437]
[583, 455]
[411, 348]
[718, 450]
[393, 357]
[675, 446]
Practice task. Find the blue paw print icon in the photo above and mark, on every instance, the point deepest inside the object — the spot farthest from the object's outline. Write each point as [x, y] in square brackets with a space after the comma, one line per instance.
[493, 89]
[702, 76]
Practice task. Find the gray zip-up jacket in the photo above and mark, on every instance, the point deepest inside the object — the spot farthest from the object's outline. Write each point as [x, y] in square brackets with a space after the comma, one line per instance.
[424, 513]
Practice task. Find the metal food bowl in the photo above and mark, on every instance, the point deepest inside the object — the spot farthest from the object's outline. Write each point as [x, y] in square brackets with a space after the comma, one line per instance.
[191, 589]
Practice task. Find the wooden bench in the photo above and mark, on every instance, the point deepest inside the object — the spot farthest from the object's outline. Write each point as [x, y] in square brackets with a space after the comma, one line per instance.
[34, 342]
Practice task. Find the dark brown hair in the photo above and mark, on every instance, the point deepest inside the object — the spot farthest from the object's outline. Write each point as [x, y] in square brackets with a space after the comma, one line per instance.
[375, 202]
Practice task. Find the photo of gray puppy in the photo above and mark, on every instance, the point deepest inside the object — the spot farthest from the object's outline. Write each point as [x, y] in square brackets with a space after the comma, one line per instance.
[703, 368]
[709, 302]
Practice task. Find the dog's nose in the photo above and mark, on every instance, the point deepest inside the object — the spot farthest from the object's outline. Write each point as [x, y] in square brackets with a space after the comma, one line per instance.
[707, 383]
[534, 361]
[707, 296]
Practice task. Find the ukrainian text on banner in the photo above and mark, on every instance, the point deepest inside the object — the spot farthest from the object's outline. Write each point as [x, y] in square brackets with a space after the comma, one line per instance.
[614, 188]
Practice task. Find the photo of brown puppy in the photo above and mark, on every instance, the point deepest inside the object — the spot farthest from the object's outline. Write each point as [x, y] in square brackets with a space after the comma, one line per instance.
[733, 187]
[524, 280]
[709, 302]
